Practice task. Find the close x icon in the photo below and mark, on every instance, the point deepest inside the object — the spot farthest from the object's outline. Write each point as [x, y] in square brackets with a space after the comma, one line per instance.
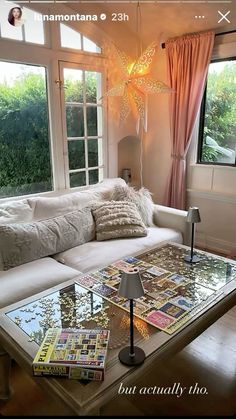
[224, 16]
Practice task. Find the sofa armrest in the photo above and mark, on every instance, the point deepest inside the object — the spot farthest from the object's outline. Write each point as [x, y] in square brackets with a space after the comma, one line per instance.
[172, 218]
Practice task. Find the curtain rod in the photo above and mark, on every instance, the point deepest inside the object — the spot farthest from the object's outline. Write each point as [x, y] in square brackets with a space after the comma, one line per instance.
[163, 45]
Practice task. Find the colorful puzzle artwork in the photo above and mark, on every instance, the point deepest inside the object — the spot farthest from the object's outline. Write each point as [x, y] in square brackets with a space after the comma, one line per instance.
[175, 291]
[73, 353]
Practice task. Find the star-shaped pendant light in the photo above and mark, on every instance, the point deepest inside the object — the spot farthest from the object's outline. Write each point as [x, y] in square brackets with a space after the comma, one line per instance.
[136, 84]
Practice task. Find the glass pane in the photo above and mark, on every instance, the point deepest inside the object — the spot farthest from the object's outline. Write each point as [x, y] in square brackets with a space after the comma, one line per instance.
[25, 165]
[93, 86]
[73, 81]
[219, 140]
[75, 121]
[76, 151]
[69, 37]
[34, 28]
[11, 27]
[87, 310]
[92, 129]
[77, 179]
[93, 176]
[95, 152]
[90, 46]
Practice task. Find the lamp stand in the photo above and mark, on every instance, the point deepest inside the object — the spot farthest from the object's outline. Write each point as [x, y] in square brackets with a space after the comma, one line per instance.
[192, 258]
[132, 355]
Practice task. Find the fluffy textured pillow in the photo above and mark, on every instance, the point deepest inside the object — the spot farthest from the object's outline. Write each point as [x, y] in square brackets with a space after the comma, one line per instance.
[141, 198]
[115, 219]
[21, 243]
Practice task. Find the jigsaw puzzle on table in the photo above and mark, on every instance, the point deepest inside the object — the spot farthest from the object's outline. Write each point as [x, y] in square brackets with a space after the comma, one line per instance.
[175, 291]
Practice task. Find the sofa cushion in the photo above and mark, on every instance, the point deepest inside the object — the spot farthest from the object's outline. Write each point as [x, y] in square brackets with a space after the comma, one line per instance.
[15, 212]
[48, 207]
[31, 278]
[116, 219]
[22, 243]
[95, 255]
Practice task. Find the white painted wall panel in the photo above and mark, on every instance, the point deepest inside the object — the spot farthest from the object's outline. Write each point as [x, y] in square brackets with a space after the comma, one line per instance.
[224, 180]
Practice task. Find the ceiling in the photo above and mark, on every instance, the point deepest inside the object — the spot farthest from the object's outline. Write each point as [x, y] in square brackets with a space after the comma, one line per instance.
[160, 21]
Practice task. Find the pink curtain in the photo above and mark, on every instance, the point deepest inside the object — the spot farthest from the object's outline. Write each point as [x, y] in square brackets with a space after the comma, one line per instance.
[188, 58]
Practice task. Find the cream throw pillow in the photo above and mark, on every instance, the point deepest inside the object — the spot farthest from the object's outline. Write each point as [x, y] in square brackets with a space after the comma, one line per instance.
[116, 219]
[141, 198]
[15, 212]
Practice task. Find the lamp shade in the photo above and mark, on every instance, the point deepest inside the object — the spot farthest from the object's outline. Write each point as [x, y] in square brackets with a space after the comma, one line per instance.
[193, 215]
[131, 285]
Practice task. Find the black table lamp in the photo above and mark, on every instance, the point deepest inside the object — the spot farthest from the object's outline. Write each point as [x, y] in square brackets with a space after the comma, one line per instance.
[131, 287]
[193, 217]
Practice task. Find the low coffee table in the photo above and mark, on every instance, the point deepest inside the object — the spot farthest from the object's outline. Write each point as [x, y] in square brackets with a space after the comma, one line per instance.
[72, 304]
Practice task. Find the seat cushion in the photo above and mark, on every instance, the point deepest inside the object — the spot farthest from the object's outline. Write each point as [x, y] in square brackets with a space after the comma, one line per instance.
[94, 255]
[31, 278]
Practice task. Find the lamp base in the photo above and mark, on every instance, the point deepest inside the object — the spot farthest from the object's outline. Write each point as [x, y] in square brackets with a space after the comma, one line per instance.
[137, 359]
[194, 259]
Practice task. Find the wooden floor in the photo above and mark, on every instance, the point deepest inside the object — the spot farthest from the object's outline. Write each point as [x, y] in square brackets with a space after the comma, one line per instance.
[209, 361]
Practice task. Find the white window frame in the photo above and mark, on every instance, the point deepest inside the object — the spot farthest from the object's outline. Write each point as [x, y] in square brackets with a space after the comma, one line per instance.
[49, 57]
[83, 67]
[202, 123]
[81, 50]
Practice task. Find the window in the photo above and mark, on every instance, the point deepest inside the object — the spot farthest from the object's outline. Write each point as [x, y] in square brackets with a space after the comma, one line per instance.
[217, 139]
[27, 31]
[74, 40]
[69, 37]
[50, 137]
[84, 130]
[25, 166]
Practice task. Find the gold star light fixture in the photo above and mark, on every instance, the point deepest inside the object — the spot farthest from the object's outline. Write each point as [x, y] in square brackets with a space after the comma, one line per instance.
[136, 84]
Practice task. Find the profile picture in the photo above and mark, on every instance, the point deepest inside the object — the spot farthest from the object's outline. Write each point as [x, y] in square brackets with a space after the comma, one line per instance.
[15, 16]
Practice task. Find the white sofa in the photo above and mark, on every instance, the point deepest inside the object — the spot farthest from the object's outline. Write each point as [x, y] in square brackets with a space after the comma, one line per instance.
[29, 278]
[32, 277]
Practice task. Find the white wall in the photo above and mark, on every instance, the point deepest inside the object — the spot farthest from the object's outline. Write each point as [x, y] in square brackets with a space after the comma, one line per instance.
[157, 145]
[156, 141]
[213, 190]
